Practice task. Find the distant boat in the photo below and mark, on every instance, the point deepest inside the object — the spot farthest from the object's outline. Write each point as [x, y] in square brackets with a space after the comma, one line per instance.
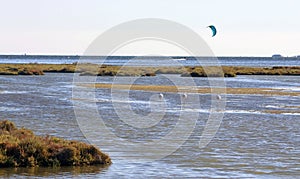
[180, 59]
[277, 56]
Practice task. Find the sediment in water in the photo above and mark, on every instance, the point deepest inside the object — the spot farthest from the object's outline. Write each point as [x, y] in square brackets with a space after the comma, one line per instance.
[191, 89]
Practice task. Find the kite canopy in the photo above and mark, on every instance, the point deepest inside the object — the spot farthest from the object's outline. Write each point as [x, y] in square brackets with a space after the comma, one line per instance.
[213, 29]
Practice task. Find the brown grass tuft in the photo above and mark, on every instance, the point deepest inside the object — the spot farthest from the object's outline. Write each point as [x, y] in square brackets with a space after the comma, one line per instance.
[21, 148]
[109, 70]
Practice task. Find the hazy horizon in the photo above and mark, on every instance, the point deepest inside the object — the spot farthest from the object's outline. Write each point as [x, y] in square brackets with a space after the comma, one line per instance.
[245, 28]
[66, 55]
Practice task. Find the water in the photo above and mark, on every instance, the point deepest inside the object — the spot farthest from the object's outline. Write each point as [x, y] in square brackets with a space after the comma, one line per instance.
[251, 141]
[148, 60]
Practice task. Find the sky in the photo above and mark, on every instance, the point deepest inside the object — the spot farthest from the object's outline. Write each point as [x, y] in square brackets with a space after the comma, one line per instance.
[68, 27]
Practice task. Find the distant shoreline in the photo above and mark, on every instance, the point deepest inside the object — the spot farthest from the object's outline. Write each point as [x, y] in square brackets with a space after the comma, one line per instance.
[18, 56]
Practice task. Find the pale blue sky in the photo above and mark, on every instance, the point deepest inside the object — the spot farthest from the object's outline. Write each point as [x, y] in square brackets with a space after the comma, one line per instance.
[246, 27]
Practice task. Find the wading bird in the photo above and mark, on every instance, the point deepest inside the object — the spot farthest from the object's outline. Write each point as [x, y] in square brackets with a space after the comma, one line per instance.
[161, 96]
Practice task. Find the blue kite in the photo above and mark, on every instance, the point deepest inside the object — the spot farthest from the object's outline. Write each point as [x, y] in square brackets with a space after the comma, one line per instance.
[213, 29]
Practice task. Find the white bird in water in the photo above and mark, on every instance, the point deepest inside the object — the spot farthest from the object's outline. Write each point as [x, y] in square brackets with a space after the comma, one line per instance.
[218, 97]
[184, 95]
[161, 96]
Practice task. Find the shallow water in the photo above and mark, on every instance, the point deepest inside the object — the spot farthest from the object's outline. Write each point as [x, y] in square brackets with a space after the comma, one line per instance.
[250, 142]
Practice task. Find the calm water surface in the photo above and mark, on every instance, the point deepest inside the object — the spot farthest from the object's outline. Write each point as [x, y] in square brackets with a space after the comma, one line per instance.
[251, 142]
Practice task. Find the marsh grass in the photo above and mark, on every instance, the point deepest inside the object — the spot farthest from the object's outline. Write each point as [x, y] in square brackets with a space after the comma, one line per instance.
[35, 69]
[191, 89]
[89, 69]
[281, 111]
[21, 148]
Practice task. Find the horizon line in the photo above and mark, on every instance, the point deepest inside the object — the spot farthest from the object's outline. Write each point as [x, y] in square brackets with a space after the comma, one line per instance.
[127, 55]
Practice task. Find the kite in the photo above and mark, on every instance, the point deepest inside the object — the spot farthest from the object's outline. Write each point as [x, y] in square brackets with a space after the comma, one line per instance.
[213, 29]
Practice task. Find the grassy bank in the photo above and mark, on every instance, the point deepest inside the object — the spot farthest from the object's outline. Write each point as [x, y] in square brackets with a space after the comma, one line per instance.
[107, 70]
[21, 148]
[35, 69]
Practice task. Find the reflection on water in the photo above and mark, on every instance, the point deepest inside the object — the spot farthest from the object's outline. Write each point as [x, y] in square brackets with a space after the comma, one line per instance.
[259, 135]
[75, 172]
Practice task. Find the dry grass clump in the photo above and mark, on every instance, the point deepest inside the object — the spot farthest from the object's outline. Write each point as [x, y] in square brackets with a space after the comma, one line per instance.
[21, 148]
[209, 71]
[20, 70]
[89, 69]
[191, 89]
[35, 69]
[170, 70]
[230, 71]
[108, 70]
[27, 71]
[263, 70]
